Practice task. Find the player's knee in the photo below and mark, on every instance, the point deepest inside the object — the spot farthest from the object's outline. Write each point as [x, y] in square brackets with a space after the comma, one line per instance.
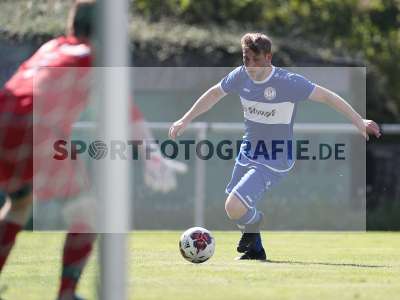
[234, 207]
[21, 203]
[80, 214]
[77, 240]
[21, 206]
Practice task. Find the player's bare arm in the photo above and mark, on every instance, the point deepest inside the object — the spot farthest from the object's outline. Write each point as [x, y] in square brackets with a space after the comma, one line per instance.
[203, 104]
[324, 95]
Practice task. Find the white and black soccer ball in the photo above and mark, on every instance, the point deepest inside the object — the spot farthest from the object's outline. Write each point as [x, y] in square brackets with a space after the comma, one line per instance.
[197, 245]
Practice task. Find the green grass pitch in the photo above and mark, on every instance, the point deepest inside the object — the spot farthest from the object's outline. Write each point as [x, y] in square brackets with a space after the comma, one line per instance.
[305, 265]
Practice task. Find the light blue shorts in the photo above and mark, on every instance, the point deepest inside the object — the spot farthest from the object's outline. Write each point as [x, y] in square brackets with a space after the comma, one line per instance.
[250, 182]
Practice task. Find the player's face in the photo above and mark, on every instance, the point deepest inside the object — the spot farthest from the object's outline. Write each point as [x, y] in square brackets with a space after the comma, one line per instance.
[255, 63]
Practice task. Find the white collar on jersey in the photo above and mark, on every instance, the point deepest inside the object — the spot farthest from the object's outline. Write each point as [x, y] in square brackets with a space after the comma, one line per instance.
[264, 80]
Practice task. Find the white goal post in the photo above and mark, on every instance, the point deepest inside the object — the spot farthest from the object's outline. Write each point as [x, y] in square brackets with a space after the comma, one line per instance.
[113, 90]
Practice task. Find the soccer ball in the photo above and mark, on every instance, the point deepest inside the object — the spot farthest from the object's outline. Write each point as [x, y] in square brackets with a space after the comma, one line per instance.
[197, 245]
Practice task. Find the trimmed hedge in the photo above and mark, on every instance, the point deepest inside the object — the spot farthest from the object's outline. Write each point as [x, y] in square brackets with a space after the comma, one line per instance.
[365, 30]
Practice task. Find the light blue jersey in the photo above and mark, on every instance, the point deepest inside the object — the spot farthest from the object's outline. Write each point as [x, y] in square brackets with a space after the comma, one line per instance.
[269, 109]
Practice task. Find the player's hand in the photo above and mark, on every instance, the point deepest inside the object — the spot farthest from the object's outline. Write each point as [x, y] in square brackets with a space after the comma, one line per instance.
[370, 127]
[177, 128]
[160, 173]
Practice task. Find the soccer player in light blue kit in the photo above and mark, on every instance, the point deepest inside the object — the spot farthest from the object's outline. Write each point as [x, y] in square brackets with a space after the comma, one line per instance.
[269, 97]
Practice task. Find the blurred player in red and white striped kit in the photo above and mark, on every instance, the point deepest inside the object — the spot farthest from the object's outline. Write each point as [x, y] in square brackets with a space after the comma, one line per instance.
[46, 95]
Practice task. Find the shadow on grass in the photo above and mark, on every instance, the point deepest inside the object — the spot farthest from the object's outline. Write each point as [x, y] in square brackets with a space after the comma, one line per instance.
[293, 262]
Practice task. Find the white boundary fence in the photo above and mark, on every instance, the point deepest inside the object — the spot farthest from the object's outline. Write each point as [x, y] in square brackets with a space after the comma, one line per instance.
[201, 129]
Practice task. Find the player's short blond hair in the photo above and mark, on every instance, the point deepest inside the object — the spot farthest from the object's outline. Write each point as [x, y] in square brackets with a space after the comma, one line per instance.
[81, 18]
[257, 42]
